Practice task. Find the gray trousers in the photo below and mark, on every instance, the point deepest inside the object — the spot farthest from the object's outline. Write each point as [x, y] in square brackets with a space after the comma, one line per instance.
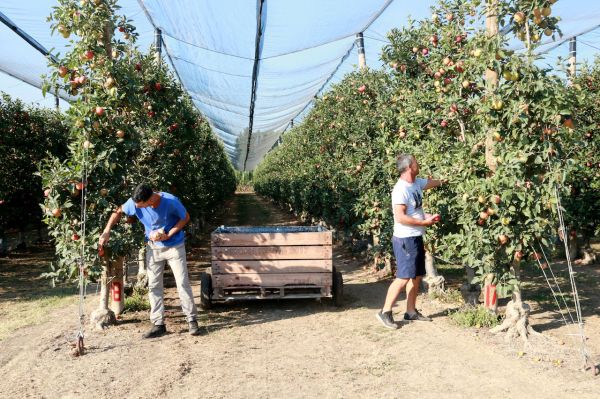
[175, 256]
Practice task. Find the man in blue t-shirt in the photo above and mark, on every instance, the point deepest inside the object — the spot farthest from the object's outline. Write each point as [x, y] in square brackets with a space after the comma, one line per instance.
[163, 217]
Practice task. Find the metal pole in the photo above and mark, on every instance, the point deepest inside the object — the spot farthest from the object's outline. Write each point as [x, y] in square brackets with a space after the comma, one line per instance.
[360, 44]
[158, 43]
[57, 103]
[572, 57]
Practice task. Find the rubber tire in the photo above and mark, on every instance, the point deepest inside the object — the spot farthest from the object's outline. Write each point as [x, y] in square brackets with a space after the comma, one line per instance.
[206, 291]
[337, 288]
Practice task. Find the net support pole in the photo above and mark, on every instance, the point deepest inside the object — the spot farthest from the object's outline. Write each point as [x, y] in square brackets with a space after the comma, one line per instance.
[572, 57]
[360, 44]
[158, 43]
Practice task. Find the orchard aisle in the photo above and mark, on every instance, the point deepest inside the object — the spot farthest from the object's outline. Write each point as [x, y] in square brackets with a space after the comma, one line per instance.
[291, 349]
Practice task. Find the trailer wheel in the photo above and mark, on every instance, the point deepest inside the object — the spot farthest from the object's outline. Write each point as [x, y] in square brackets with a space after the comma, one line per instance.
[337, 288]
[206, 291]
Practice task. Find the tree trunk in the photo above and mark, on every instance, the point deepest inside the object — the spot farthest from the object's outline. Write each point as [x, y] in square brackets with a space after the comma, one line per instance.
[21, 244]
[432, 282]
[470, 292]
[142, 274]
[516, 320]
[103, 317]
[491, 77]
[117, 303]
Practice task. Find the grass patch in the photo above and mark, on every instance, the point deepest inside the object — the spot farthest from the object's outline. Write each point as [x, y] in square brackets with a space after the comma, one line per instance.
[449, 296]
[451, 271]
[33, 310]
[474, 317]
[137, 302]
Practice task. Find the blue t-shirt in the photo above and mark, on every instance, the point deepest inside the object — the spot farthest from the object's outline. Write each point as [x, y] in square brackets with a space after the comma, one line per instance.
[166, 215]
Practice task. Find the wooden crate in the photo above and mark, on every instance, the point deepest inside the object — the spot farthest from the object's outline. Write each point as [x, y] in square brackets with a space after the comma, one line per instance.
[278, 261]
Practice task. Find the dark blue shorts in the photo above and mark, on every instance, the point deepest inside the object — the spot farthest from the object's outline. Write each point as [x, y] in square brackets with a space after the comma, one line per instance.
[410, 256]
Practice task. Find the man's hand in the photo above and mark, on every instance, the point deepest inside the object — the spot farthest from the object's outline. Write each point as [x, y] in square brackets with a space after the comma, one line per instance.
[104, 237]
[430, 220]
[158, 235]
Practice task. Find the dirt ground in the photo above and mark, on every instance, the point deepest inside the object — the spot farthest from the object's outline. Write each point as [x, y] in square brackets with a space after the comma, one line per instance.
[301, 348]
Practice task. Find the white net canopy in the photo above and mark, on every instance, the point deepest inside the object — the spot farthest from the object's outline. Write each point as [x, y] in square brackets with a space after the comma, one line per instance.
[251, 83]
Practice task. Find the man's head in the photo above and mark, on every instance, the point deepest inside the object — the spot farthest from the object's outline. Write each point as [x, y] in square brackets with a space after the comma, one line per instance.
[407, 163]
[142, 195]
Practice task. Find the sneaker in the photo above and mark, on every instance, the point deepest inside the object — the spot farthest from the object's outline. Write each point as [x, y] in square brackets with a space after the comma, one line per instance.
[156, 331]
[417, 316]
[194, 330]
[386, 319]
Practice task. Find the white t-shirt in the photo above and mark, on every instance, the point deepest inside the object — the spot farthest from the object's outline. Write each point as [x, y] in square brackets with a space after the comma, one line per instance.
[411, 195]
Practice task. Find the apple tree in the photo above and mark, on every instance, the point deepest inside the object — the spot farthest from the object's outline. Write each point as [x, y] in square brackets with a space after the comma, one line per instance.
[28, 134]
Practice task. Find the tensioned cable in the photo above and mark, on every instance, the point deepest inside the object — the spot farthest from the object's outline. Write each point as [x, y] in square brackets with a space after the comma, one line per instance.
[205, 48]
[559, 207]
[25, 36]
[257, 48]
[564, 40]
[341, 37]
[35, 44]
[369, 23]
[208, 69]
[326, 82]
[554, 295]
[556, 282]
[587, 44]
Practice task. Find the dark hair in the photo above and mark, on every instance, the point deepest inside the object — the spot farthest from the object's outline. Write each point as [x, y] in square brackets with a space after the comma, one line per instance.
[142, 193]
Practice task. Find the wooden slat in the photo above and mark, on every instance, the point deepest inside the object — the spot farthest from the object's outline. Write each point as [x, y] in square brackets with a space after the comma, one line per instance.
[271, 280]
[268, 239]
[271, 252]
[272, 266]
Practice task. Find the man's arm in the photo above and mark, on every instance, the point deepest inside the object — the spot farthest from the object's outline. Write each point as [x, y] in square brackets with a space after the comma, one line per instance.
[178, 226]
[114, 219]
[400, 216]
[431, 183]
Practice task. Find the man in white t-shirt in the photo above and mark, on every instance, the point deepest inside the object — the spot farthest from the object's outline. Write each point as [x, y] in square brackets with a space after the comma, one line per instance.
[409, 226]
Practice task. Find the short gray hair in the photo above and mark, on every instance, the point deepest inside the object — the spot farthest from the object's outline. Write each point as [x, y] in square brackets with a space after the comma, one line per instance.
[404, 161]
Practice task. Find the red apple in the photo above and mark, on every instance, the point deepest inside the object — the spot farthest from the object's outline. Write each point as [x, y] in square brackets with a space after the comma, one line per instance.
[158, 86]
[75, 237]
[425, 51]
[63, 71]
[80, 185]
[121, 29]
[120, 134]
[502, 239]
[138, 67]
[99, 111]
[483, 215]
[89, 55]
[444, 123]
[446, 61]
[56, 212]
[362, 89]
